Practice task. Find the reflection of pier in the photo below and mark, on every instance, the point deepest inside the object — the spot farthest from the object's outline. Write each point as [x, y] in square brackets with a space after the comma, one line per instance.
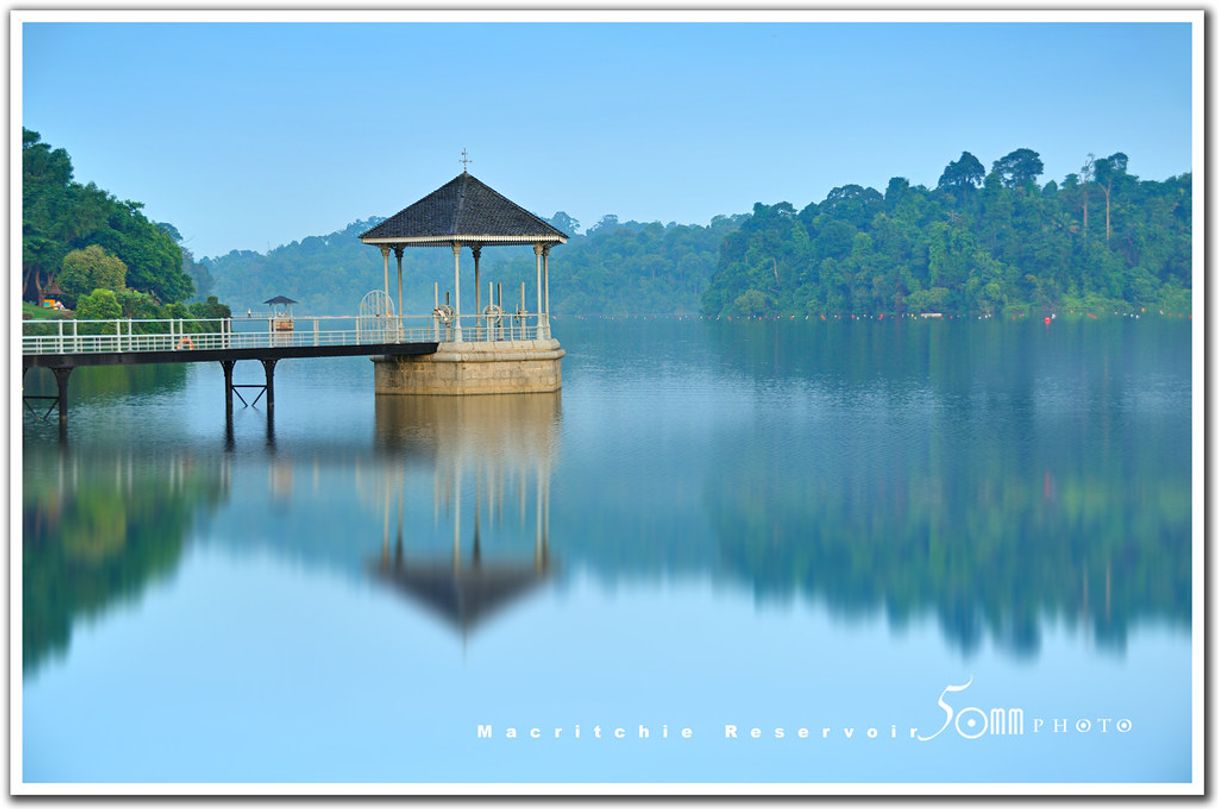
[497, 546]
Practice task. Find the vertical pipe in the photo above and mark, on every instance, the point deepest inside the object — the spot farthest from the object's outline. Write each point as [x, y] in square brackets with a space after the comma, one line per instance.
[457, 291]
[75, 337]
[477, 283]
[435, 317]
[316, 333]
[397, 251]
[385, 256]
[545, 264]
[60, 324]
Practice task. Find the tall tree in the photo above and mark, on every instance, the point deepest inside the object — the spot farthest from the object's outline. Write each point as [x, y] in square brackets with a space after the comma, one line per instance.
[1086, 174]
[964, 174]
[1019, 169]
[1108, 171]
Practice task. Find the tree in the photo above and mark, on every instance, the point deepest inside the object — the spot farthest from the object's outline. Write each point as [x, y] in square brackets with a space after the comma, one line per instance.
[46, 201]
[607, 222]
[567, 224]
[100, 304]
[1085, 175]
[965, 174]
[1019, 169]
[1108, 171]
[60, 215]
[89, 269]
[898, 187]
[210, 309]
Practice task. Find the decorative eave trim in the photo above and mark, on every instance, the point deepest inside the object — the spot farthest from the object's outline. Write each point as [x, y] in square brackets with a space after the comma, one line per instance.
[441, 241]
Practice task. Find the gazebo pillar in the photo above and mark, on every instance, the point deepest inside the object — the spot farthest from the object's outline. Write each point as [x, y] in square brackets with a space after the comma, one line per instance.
[537, 253]
[457, 292]
[545, 267]
[385, 255]
[397, 251]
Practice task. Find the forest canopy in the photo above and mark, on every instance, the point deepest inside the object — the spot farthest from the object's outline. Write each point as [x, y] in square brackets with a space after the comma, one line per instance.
[615, 268]
[62, 218]
[977, 244]
[980, 243]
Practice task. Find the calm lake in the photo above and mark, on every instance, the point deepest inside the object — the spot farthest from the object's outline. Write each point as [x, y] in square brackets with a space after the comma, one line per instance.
[767, 525]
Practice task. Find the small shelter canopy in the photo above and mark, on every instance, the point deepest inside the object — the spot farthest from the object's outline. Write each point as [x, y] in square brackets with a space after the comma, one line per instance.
[279, 299]
[464, 210]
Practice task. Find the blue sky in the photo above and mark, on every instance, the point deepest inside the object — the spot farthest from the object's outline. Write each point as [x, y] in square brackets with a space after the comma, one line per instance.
[249, 135]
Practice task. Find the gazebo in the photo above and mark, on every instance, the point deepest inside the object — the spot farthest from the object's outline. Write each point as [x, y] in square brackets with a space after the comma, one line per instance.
[281, 312]
[466, 212]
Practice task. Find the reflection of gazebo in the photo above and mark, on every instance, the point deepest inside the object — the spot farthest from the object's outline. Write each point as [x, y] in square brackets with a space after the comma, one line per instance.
[465, 212]
[464, 591]
[506, 445]
[463, 595]
[281, 312]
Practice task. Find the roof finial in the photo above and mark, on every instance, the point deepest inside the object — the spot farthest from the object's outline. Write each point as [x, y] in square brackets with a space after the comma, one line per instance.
[465, 161]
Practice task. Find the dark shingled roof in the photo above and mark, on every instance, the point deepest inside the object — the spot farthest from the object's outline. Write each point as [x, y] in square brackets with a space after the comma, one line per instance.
[465, 207]
[279, 299]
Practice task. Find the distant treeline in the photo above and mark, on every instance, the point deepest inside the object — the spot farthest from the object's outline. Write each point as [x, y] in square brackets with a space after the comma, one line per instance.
[615, 268]
[978, 244]
[77, 239]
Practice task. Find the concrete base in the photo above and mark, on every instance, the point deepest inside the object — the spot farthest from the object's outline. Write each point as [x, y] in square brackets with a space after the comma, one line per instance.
[515, 366]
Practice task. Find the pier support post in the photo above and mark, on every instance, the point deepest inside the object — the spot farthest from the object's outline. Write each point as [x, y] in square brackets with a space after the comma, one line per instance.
[61, 380]
[227, 366]
[269, 367]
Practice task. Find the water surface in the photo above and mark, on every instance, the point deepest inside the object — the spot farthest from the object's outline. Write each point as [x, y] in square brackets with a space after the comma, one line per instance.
[760, 524]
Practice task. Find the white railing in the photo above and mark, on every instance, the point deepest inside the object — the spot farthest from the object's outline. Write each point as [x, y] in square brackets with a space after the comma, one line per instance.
[133, 335]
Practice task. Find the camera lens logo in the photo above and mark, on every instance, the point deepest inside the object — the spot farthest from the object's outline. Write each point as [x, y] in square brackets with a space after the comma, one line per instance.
[972, 722]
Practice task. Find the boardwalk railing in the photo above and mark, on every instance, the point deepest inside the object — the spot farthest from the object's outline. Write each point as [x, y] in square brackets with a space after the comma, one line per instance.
[134, 335]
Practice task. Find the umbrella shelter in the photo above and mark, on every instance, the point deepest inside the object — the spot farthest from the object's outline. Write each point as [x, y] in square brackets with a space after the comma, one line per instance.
[281, 312]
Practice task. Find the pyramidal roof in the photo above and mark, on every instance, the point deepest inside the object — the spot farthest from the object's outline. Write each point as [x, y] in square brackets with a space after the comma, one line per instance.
[467, 210]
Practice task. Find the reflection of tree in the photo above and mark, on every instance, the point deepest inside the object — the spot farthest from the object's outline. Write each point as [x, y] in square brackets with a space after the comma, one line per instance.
[996, 481]
[108, 381]
[98, 530]
[983, 557]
